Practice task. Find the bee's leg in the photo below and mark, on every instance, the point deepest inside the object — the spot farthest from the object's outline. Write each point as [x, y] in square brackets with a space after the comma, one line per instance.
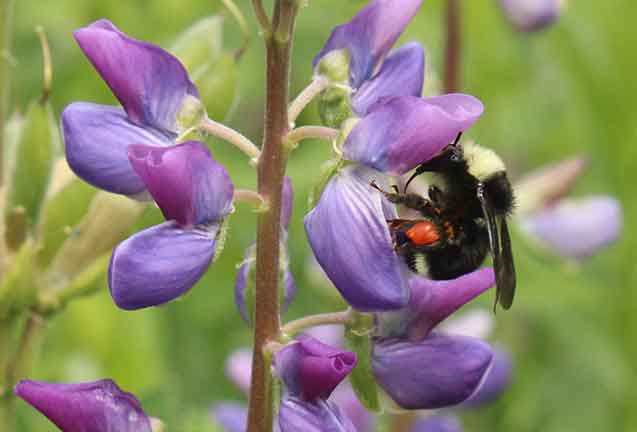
[409, 200]
[436, 196]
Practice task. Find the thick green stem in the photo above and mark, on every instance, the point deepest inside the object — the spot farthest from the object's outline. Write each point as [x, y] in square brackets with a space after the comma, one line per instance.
[270, 170]
[6, 7]
[453, 47]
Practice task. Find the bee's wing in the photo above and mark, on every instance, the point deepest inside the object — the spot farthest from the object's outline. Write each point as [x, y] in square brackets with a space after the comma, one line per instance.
[505, 272]
[501, 250]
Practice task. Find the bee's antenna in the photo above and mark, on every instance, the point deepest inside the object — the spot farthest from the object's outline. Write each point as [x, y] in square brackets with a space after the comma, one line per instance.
[457, 140]
[416, 173]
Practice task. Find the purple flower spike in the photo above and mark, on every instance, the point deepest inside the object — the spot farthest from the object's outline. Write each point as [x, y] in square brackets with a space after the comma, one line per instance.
[96, 139]
[99, 406]
[317, 416]
[401, 133]
[159, 264]
[437, 372]
[434, 300]
[233, 417]
[437, 423]
[532, 15]
[402, 74]
[496, 380]
[576, 228]
[188, 185]
[239, 369]
[351, 241]
[369, 36]
[312, 370]
[150, 83]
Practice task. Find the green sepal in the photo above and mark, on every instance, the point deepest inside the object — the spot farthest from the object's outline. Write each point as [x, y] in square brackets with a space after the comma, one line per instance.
[30, 161]
[19, 284]
[328, 170]
[335, 106]
[358, 338]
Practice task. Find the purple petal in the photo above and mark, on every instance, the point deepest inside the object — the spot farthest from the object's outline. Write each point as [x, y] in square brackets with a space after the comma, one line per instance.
[239, 369]
[402, 74]
[496, 381]
[345, 398]
[531, 15]
[369, 36]
[437, 372]
[99, 406]
[96, 139]
[317, 416]
[434, 300]
[233, 417]
[287, 202]
[351, 241]
[159, 264]
[311, 369]
[576, 228]
[150, 83]
[437, 423]
[188, 185]
[404, 132]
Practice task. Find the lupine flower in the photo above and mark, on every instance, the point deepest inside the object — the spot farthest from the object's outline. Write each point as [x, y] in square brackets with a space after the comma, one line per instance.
[233, 417]
[194, 192]
[310, 371]
[357, 57]
[239, 369]
[245, 283]
[497, 379]
[421, 369]
[576, 228]
[99, 406]
[157, 98]
[345, 398]
[532, 15]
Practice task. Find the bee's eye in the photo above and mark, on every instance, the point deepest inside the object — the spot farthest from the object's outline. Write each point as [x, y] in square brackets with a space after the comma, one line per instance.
[456, 155]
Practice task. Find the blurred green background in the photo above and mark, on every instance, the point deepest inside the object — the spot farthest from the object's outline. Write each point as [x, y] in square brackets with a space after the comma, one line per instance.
[565, 91]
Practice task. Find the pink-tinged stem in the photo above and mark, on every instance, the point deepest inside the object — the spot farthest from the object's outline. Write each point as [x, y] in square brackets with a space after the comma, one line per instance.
[270, 172]
[453, 47]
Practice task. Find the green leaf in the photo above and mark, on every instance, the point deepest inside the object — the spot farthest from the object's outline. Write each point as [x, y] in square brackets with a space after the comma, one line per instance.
[357, 335]
[30, 165]
[19, 284]
[60, 216]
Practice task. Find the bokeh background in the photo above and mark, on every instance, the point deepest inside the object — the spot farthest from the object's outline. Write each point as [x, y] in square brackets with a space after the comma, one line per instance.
[568, 90]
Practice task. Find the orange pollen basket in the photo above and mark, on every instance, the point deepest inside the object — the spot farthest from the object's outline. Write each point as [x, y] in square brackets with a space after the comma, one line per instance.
[423, 233]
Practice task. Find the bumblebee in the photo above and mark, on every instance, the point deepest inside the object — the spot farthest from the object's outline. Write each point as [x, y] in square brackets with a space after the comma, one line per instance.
[463, 219]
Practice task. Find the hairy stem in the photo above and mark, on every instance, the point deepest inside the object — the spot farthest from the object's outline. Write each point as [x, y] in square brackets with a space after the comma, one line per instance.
[6, 7]
[270, 172]
[232, 136]
[453, 47]
[297, 326]
[306, 96]
[261, 15]
[251, 197]
[310, 132]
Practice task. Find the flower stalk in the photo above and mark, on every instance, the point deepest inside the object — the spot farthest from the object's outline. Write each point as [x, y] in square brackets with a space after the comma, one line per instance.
[271, 169]
[297, 326]
[453, 47]
[318, 84]
[230, 135]
[6, 7]
[311, 132]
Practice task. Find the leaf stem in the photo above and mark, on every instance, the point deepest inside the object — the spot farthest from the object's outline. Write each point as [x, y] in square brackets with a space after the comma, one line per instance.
[6, 8]
[453, 47]
[297, 326]
[318, 84]
[270, 172]
[230, 135]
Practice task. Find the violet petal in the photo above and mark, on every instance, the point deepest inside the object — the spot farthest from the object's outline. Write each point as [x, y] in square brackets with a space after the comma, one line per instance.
[287, 202]
[437, 372]
[96, 139]
[351, 241]
[403, 132]
[369, 36]
[188, 185]
[232, 416]
[311, 369]
[99, 406]
[159, 264]
[239, 369]
[496, 380]
[576, 228]
[402, 74]
[437, 423]
[434, 300]
[150, 83]
[316, 416]
[345, 398]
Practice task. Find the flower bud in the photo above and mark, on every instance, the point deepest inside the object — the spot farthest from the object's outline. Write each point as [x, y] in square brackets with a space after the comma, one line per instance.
[532, 15]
